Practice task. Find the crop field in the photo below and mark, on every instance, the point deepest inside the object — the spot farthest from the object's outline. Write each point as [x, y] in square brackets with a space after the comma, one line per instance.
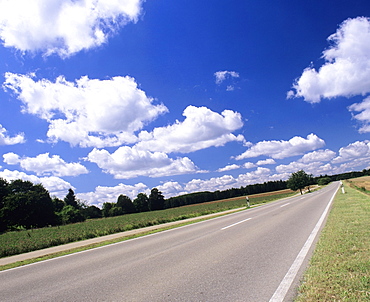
[362, 183]
[17, 242]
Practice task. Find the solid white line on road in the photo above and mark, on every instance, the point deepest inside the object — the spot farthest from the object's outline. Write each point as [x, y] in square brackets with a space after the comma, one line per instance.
[284, 205]
[285, 284]
[231, 225]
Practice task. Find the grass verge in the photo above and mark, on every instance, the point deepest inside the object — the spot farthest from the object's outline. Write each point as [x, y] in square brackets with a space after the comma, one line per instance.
[340, 266]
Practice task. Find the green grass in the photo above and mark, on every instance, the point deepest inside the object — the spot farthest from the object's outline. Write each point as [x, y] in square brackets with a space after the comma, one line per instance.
[17, 242]
[340, 266]
[91, 246]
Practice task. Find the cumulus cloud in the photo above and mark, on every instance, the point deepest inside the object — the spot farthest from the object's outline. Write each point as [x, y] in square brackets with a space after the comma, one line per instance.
[89, 112]
[110, 194]
[268, 161]
[357, 151]
[318, 156]
[282, 149]
[7, 140]
[351, 157]
[223, 75]
[224, 182]
[364, 116]
[202, 128]
[228, 168]
[318, 162]
[44, 165]
[315, 168]
[55, 185]
[171, 188]
[127, 162]
[64, 27]
[249, 165]
[346, 71]
[216, 183]
[259, 175]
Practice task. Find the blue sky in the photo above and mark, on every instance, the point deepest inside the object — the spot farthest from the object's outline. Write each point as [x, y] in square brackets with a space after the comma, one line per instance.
[117, 97]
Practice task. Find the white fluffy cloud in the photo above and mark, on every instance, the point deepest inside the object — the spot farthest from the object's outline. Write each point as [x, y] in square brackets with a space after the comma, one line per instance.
[202, 128]
[7, 140]
[282, 149]
[223, 75]
[213, 184]
[110, 194]
[315, 168]
[55, 185]
[44, 165]
[89, 112]
[268, 161]
[259, 175]
[351, 157]
[63, 27]
[318, 156]
[249, 165]
[228, 168]
[128, 162]
[171, 188]
[224, 182]
[357, 151]
[347, 68]
[364, 116]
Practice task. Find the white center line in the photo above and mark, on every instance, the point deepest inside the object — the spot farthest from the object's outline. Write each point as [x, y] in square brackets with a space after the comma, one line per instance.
[285, 205]
[231, 225]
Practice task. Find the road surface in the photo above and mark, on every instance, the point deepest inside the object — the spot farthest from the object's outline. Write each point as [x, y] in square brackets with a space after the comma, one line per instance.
[243, 256]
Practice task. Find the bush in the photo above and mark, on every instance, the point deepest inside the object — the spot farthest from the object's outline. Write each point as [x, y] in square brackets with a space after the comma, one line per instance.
[324, 181]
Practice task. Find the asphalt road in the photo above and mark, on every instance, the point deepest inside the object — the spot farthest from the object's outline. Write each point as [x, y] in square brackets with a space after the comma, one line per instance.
[238, 257]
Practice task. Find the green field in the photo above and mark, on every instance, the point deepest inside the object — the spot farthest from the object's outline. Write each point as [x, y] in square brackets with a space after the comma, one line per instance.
[17, 242]
[340, 267]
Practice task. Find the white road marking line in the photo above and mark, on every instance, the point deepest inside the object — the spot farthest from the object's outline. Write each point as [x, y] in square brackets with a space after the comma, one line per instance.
[285, 284]
[284, 205]
[231, 225]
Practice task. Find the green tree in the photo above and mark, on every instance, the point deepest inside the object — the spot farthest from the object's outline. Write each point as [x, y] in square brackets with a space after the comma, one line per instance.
[69, 214]
[90, 212]
[141, 202]
[115, 211]
[156, 200]
[107, 206]
[125, 203]
[4, 191]
[71, 199]
[299, 180]
[324, 181]
[58, 204]
[27, 205]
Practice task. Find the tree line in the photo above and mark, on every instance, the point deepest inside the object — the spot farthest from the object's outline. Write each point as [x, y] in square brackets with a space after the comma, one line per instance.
[24, 205]
[27, 205]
